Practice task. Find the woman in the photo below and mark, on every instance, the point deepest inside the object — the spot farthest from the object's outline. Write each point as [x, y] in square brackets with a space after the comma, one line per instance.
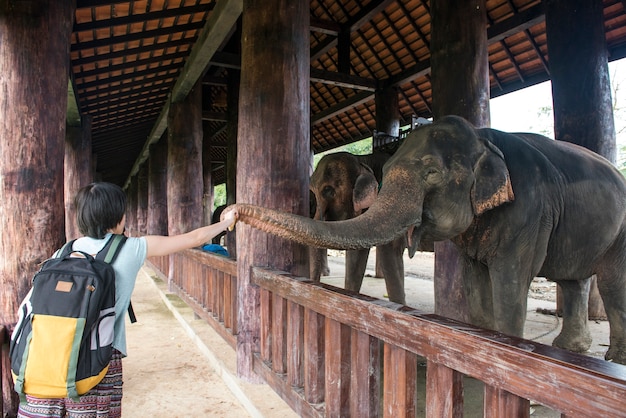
[100, 209]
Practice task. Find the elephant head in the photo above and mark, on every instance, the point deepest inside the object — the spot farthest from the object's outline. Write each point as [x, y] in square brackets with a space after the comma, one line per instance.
[341, 187]
[441, 177]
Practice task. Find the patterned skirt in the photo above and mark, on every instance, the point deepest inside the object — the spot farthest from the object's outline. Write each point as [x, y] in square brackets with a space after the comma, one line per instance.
[103, 401]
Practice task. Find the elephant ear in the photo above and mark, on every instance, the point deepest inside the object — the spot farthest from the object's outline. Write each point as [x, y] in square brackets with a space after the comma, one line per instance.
[365, 189]
[492, 186]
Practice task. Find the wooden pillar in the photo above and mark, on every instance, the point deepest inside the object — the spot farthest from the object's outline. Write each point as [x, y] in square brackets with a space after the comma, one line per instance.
[34, 63]
[581, 87]
[387, 122]
[234, 79]
[184, 163]
[458, 41]
[142, 200]
[207, 178]
[157, 189]
[131, 208]
[78, 170]
[274, 113]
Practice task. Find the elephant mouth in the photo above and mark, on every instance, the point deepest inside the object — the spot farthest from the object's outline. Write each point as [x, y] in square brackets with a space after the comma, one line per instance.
[418, 236]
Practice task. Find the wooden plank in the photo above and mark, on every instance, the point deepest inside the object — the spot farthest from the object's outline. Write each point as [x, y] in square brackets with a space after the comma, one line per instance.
[337, 369]
[365, 375]
[278, 327]
[228, 301]
[293, 397]
[502, 404]
[265, 307]
[314, 357]
[295, 346]
[399, 383]
[489, 356]
[444, 391]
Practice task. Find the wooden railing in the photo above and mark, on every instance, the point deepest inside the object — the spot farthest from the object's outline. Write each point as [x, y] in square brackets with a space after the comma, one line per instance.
[208, 284]
[4, 339]
[328, 352]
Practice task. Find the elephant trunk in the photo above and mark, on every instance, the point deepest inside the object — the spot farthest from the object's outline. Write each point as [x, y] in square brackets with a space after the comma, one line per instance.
[389, 217]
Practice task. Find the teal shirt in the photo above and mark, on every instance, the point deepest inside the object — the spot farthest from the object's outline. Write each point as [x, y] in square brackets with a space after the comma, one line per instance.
[126, 266]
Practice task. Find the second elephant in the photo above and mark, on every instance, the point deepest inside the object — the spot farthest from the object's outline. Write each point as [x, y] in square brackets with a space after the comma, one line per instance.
[342, 186]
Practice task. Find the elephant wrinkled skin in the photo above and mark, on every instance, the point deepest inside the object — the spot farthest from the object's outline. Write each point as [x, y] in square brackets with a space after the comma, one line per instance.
[516, 206]
[342, 186]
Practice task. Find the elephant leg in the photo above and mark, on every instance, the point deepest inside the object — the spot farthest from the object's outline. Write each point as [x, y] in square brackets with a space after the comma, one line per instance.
[477, 286]
[392, 266]
[575, 335]
[612, 287]
[356, 262]
[317, 261]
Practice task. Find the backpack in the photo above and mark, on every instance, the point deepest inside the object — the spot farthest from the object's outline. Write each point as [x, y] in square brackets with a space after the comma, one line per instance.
[62, 344]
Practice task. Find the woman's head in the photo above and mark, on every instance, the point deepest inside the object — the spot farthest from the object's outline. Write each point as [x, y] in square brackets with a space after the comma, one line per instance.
[100, 207]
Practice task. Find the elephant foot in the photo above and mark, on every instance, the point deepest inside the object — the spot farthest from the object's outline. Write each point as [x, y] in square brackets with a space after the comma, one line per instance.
[616, 352]
[576, 342]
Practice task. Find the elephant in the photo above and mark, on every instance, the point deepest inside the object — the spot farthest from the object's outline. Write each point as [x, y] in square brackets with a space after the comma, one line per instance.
[516, 205]
[342, 186]
[215, 218]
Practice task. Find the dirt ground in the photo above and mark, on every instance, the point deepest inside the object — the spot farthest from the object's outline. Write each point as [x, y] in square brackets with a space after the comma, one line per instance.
[179, 367]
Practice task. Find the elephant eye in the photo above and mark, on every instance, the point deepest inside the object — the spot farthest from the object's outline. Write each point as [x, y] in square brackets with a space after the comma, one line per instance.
[433, 176]
[328, 192]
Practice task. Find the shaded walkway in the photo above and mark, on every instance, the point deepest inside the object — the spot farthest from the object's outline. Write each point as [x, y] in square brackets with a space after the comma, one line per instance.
[178, 367]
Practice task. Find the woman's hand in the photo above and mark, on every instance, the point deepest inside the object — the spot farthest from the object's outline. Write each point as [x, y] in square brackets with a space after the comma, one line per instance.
[230, 214]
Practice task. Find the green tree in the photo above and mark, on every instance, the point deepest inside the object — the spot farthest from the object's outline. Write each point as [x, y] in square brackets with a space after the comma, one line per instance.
[219, 195]
[361, 147]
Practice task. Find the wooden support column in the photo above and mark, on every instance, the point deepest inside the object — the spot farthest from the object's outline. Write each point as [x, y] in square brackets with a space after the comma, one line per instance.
[207, 178]
[157, 189]
[274, 114]
[458, 41]
[234, 79]
[387, 122]
[581, 87]
[131, 208]
[78, 170]
[34, 63]
[184, 163]
[142, 199]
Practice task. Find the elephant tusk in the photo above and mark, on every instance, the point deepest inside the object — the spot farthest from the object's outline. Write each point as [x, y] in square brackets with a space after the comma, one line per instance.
[410, 235]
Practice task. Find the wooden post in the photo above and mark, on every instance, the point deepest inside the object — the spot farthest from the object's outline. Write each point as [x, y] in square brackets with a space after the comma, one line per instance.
[234, 78]
[34, 63]
[207, 179]
[458, 40]
[142, 199]
[78, 170]
[131, 208]
[184, 163]
[273, 113]
[387, 122]
[582, 114]
[157, 189]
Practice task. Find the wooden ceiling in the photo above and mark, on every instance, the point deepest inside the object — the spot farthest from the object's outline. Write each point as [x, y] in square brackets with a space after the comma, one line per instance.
[129, 57]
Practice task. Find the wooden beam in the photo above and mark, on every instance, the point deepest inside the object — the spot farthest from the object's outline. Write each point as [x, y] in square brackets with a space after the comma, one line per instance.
[343, 80]
[215, 32]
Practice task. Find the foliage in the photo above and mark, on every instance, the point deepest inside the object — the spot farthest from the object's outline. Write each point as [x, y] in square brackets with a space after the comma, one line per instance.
[219, 195]
[361, 147]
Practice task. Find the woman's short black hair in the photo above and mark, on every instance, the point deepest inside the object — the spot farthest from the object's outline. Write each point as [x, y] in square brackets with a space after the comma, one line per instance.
[99, 208]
